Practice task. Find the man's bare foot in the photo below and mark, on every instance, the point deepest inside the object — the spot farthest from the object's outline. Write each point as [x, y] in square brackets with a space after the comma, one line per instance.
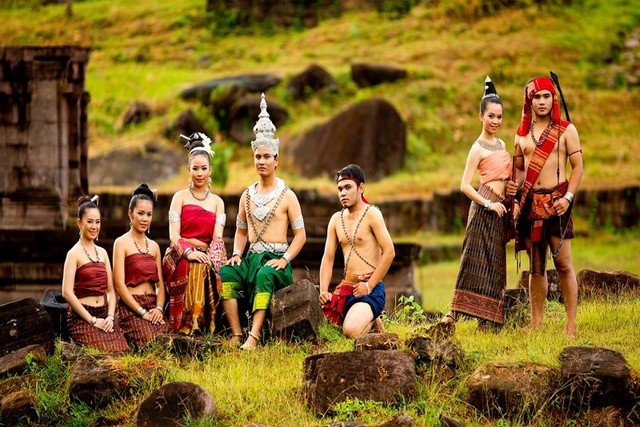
[234, 341]
[570, 331]
[532, 326]
[377, 326]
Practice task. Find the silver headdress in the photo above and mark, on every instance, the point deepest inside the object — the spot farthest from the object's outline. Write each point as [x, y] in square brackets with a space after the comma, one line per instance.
[265, 131]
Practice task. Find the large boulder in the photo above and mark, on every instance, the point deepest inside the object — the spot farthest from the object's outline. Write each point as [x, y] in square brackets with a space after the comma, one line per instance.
[371, 134]
[296, 312]
[514, 390]
[172, 403]
[186, 123]
[311, 80]
[601, 283]
[332, 378]
[595, 377]
[18, 361]
[25, 322]
[251, 82]
[365, 75]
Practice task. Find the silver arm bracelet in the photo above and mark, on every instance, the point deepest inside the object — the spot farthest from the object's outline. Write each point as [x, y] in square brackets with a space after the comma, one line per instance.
[174, 216]
[298, 223]
[237, 252]
[240, 223]
[221, 219]
[287, 257]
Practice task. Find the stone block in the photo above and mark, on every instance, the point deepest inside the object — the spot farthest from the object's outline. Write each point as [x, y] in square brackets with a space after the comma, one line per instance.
[296, 312]
[25, 322]
[386, 376]
[595, 377]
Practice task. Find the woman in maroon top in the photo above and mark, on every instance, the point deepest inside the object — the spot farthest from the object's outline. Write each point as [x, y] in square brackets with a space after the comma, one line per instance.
[137, 274]
[88, 288]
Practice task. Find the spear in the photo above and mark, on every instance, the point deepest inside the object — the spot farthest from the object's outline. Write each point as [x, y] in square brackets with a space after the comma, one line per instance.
[554, 77]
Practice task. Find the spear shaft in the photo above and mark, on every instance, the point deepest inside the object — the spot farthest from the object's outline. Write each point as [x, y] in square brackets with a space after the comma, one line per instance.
[554, 77]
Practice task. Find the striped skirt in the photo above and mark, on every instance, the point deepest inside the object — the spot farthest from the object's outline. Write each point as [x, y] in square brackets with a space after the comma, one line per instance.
[482, 277]
[83, 333]
[137, 330]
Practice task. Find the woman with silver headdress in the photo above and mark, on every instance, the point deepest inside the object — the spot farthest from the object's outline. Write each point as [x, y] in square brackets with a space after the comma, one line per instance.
[482, 277]
[191, 264]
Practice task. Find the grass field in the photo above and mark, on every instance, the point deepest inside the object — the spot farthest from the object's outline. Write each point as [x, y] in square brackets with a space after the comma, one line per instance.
[150, 50]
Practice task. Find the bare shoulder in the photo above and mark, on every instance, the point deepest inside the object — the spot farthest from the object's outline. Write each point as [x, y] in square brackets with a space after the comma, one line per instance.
[178, 197]
[291, 198]
[218, 201]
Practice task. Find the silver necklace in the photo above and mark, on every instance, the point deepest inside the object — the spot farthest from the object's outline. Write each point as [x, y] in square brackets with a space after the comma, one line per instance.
[97, 260]
[495, 146]
[261, 200]
[206, 194]
[146, 241]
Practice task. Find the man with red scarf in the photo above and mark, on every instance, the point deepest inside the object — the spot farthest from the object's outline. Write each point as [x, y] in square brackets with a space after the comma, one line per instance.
[368, 251]
[543, 144]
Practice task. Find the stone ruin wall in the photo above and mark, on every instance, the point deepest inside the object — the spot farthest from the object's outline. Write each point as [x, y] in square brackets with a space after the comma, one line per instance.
[43, 135]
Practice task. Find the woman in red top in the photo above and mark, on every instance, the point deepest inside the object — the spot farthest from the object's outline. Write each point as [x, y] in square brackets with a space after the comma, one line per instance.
[191, 264]
[88, 288]
[137, 274]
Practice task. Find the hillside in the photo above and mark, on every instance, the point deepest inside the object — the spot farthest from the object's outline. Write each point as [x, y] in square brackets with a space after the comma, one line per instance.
[149, 51]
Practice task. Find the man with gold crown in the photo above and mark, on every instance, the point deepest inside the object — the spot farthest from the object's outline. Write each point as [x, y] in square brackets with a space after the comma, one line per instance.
[266, 210]
[544, 143]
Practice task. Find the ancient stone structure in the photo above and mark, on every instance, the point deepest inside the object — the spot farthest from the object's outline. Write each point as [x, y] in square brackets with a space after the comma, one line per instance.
[43, 134]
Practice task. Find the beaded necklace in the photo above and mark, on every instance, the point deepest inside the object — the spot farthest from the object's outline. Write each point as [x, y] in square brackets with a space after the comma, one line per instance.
[544, 135]
[146, 241]
[495, 146]
[206, 194]
[352, 242]
[97, 260]
[270, 215]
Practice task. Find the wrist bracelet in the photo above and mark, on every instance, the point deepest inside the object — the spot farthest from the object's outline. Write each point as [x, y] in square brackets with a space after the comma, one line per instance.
[287, 257]
[93, 320]
[569, 196]
[141, 311]
[111, 316]
[159, 307]
[368, 288]
[186, 252]
[237, 252]
[487, 203]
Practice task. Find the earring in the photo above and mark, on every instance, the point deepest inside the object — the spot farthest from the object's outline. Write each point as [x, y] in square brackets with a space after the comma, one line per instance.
[209, 184]
[190, 183]
[149, 229]
[80, 233]
[97, 237]
[130, 223]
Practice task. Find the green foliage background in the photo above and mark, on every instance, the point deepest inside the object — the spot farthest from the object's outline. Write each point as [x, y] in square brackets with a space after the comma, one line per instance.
[150, 50]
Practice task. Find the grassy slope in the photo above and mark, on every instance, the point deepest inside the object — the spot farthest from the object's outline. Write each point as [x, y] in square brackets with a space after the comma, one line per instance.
[149, 51]
[448, 60]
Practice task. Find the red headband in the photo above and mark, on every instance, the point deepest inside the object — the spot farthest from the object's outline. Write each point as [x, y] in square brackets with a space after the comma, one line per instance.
[533, 87]
[357, 185]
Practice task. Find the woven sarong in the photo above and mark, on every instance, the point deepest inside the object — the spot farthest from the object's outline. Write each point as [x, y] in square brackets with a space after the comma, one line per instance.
[342, 299]
[137, 330]
[482, 277]
[83, 333]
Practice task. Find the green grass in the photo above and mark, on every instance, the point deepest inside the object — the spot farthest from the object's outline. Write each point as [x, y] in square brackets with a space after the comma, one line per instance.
[149, 51]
